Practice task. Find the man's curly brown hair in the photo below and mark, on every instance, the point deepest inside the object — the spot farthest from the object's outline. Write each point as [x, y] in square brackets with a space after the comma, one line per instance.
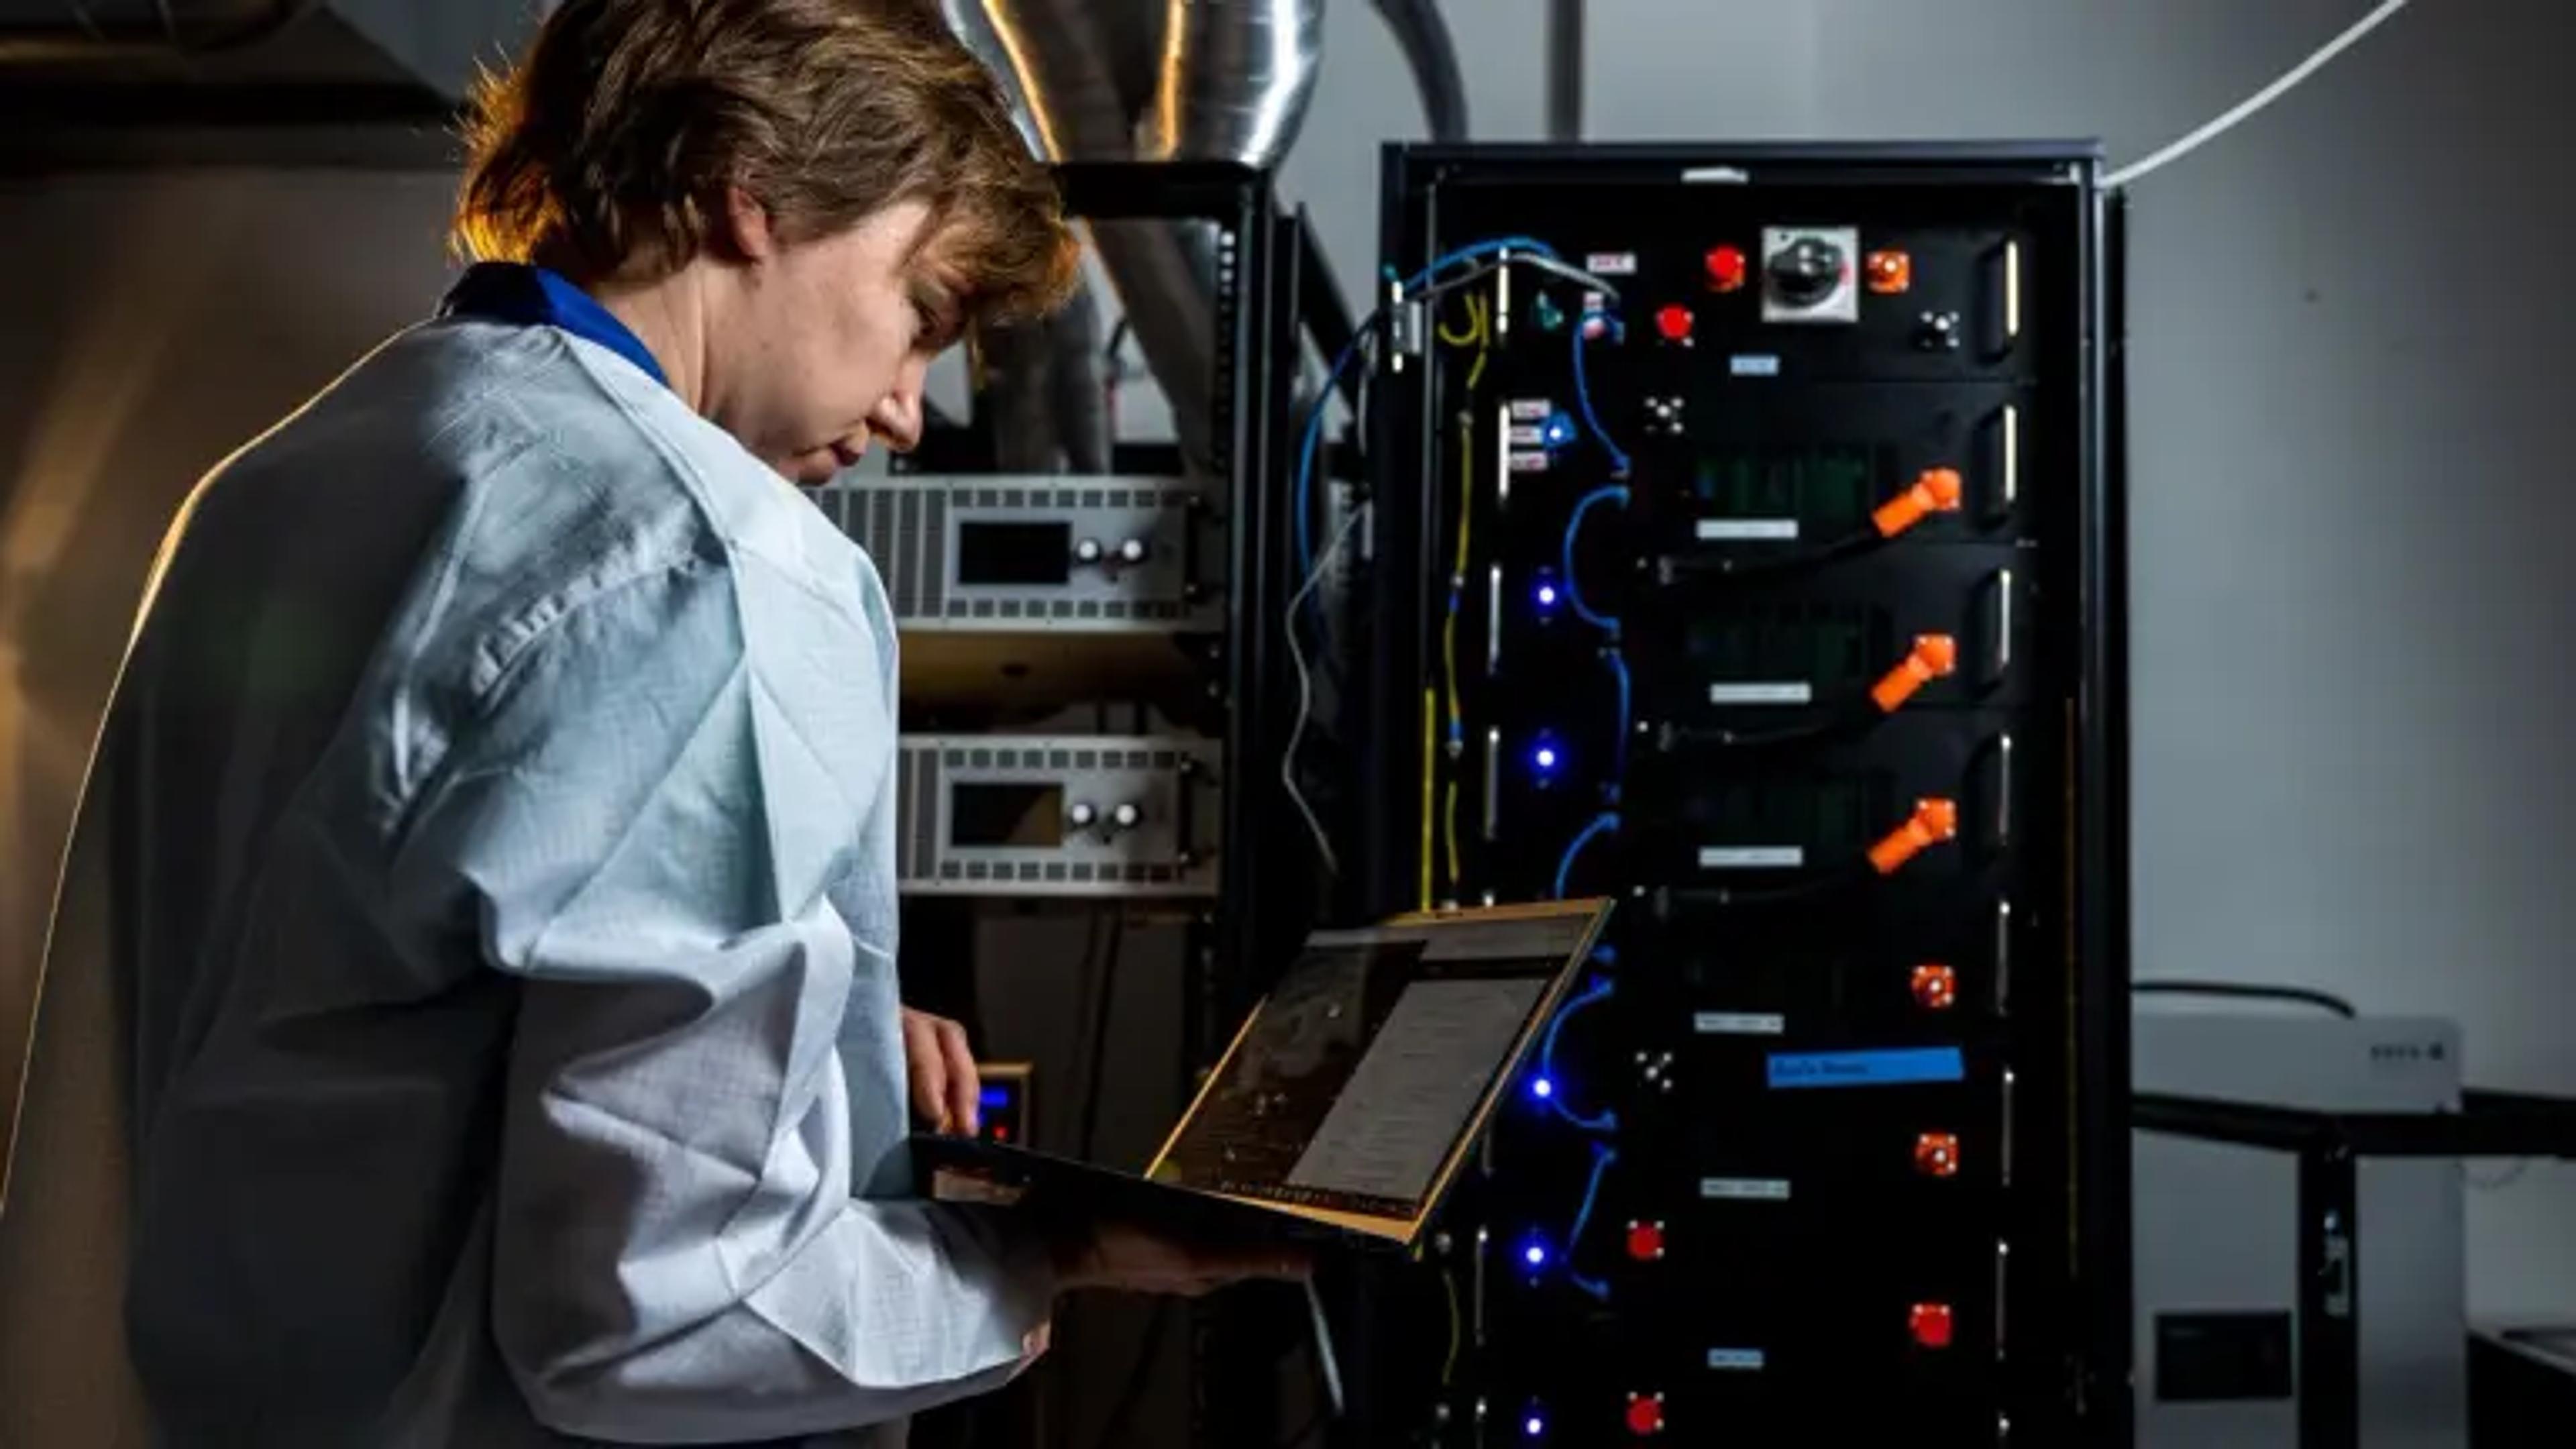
[609, 149]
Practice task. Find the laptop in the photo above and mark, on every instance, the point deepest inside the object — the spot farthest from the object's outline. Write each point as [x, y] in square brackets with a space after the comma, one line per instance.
[1349, 1099]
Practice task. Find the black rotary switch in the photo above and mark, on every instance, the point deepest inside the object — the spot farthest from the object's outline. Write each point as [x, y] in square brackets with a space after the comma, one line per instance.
[1806, 272]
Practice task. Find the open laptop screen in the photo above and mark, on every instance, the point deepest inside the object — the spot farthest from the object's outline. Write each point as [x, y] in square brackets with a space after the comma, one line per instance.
[1373, 1061]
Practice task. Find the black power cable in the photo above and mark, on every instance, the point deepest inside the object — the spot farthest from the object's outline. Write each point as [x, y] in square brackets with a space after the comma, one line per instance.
[2247, 990]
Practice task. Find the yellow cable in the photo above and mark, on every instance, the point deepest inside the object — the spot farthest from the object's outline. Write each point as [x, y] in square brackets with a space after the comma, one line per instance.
[1460, 339]
[1430, 712]
[1480, 332]
[1483, 312]
[1449, 826]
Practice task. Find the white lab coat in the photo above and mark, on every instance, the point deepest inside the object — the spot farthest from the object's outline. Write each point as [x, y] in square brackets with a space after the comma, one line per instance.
[476, 967]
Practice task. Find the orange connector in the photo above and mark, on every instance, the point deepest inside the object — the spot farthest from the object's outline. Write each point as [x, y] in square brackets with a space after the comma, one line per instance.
[1935, 490]
[1934, 656]
[1935, 820]
[1889, 271]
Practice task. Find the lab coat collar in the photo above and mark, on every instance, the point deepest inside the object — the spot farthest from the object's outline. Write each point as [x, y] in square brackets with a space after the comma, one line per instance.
[535, 296]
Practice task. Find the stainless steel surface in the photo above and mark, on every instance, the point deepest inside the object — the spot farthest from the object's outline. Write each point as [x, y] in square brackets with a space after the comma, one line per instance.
[1235, 80]
[1232, 84]
[2215, 1229]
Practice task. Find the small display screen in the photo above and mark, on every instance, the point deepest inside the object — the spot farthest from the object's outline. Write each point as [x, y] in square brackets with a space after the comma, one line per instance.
[1014, 553]
[1004, 816]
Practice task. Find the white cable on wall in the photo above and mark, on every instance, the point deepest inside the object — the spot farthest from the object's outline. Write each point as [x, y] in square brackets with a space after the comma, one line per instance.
[2259, 99]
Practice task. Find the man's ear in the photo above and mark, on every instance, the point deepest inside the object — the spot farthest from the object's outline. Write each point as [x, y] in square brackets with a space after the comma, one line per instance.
[747, 228]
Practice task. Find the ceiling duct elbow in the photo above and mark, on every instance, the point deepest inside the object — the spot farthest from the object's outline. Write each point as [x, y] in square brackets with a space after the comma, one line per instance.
[1233, 84]
[1235, 80]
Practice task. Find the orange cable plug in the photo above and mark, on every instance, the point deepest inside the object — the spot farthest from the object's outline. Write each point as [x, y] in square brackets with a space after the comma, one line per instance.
[1934, 656]
[1935, 820]
[1935, 490]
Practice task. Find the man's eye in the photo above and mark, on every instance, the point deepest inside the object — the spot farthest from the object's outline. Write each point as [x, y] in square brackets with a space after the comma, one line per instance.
[930, 322]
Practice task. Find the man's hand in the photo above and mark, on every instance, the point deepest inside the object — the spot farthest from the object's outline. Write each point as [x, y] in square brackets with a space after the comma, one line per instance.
[945, 1089]
[1133, 1260]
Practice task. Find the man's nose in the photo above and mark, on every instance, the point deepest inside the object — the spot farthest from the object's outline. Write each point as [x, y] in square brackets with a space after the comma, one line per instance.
[897, 418]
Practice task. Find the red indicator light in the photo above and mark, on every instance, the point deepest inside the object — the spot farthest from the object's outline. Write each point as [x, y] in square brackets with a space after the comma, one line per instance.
[1645, 1414]
[1646, 1242]
[1674, 322]
[1936, 988]
[1889, 271]
[1931, 1324]
[1001, 1132]
[1726, 268]
[1936, 1154]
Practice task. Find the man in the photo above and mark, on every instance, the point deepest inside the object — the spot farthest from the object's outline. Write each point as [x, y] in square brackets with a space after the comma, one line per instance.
[494, 819]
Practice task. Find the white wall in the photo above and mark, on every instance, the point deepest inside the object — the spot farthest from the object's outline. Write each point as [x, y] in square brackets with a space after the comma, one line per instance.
[2351, 420]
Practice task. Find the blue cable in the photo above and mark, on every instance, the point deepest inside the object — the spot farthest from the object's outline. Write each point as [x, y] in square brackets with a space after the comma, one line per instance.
[1302, 505]
[1619, 752]
[1474, 250]
[1302, 501]
[1606, 820]
[1604, 1121]
[1606, 623]
[1602, 1157]
[1583, 395]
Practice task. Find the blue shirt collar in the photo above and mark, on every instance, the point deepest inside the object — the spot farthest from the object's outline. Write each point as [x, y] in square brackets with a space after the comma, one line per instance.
[533, 296]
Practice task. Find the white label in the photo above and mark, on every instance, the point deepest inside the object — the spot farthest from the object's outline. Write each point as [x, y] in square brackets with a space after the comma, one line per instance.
[1531, 409]
[1753, 364]
[1784, 692]
[1529, 462]
[1611, 264]
[1744, 1189]
[1524, 435]
[1736, 1360]
[1742, 530]
[1738, 1023]
[1752, 857]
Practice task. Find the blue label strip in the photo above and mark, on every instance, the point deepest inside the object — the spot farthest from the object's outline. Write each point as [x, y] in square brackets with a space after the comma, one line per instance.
[1866, 1069]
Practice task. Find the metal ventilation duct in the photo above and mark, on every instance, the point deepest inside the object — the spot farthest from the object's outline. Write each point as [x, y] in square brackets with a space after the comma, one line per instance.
[1232, 85]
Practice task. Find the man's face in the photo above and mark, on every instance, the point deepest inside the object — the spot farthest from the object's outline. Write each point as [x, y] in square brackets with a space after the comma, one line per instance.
[833, 335]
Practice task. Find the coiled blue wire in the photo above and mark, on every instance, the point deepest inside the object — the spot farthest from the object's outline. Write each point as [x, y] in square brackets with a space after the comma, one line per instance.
[1603, 1121]
[1606, 623]
[1607, 820]
[1583, 393]
[1602, 1156]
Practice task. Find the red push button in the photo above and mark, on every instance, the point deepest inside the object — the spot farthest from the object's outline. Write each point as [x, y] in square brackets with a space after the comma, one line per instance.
[1936, 1154]
[1645, 1414]
[1646, 1242]
[1931, 1324]
[1674, 322]
[1726, 268]
[1936, 988]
